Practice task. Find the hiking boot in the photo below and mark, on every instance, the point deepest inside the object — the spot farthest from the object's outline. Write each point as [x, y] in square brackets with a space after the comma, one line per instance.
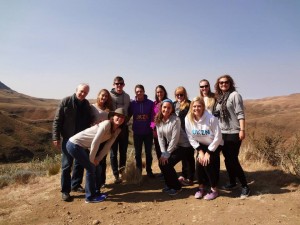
[166, 189]
[229, 186]
[79, 189]
[212, 195]
[199, 193]
[66, 197]
[245, 192]
[96, 199]
[173, 192]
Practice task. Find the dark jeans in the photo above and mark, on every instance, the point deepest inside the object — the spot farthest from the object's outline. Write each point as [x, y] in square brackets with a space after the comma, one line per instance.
[147, 140]
[120, 145]
[188, 163]
[231, 149]
[169, 171]
[101, 169]
[68, 183]
[210, 171]
[82, 156]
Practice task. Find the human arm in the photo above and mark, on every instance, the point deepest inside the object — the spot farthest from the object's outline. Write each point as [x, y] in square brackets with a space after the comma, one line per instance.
[103, 129]
[242, 133]
[108, 145]
[57, 125]
[239, 111]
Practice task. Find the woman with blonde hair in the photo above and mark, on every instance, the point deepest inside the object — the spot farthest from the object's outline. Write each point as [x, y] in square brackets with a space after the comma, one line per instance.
[205, 136]
[182, 105]
[210, 102]
[208, 96]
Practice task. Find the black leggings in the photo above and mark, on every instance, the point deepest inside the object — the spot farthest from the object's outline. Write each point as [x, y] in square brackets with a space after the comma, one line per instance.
[231, 150]
[209, 171]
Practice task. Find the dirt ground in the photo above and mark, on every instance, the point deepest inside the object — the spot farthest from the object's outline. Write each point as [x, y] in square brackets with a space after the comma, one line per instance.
[275, 199]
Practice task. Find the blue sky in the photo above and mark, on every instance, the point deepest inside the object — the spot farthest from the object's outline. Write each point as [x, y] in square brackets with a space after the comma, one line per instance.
[48, 47]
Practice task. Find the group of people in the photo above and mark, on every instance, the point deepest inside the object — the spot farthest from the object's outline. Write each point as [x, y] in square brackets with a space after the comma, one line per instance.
[207, 125]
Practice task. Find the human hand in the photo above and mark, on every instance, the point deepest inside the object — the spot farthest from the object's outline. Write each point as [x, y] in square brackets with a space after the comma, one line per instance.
[57, 145]
[206, 159]
[163, 161]
[242, 135]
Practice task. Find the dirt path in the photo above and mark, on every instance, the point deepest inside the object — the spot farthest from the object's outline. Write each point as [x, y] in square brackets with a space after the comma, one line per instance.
[275, 199]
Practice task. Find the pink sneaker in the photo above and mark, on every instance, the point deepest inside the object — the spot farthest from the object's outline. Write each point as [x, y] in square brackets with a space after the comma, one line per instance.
[211, 196]
[199, 193]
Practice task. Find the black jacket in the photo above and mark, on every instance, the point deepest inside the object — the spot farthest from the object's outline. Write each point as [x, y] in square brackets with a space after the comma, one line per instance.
[70, 118]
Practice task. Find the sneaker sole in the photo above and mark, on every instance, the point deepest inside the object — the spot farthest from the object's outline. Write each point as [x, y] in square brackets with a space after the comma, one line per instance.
[244, 196]
[95, 201]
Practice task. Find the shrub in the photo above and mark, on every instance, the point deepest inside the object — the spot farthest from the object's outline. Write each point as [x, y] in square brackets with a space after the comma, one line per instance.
[275, 150]
[23, 173]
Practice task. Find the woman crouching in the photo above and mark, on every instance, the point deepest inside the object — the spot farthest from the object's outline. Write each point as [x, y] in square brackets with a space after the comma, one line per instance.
[173, 144]
[205, 136]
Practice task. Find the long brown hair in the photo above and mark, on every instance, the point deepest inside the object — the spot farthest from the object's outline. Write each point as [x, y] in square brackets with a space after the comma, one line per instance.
[218, 91]
[159, 116]
[108, 104]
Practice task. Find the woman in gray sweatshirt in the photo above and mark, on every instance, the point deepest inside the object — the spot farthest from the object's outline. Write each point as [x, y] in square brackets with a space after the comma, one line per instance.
[230, 111]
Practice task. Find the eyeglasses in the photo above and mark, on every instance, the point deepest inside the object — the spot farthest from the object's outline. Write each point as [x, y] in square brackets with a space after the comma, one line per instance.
[119, 84]
[204, 86]
[179, 95]
[224, 82]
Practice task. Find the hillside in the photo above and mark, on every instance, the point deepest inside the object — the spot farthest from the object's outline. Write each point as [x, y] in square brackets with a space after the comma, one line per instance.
[25, 126]
[20, 113]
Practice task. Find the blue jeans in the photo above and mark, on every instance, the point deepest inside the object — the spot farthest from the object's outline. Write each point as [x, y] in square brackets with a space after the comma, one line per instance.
[68, 183]
[82, 156]
[121, 144]
[147, 140]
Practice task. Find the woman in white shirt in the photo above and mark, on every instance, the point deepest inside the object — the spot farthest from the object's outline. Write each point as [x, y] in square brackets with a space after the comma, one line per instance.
[205, 136]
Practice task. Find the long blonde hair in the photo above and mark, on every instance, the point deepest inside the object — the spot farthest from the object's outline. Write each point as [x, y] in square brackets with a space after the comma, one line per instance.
[211, 100]
[190, 115]
[185, 102]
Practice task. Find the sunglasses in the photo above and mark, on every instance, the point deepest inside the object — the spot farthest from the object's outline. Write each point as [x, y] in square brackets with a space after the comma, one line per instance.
[119, 84]
[179, 95]
[224, 82]
[204, 86]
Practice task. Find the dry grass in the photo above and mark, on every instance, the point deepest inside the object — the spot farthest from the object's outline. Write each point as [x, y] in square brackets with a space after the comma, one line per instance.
[274, 150]
[22, 173]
